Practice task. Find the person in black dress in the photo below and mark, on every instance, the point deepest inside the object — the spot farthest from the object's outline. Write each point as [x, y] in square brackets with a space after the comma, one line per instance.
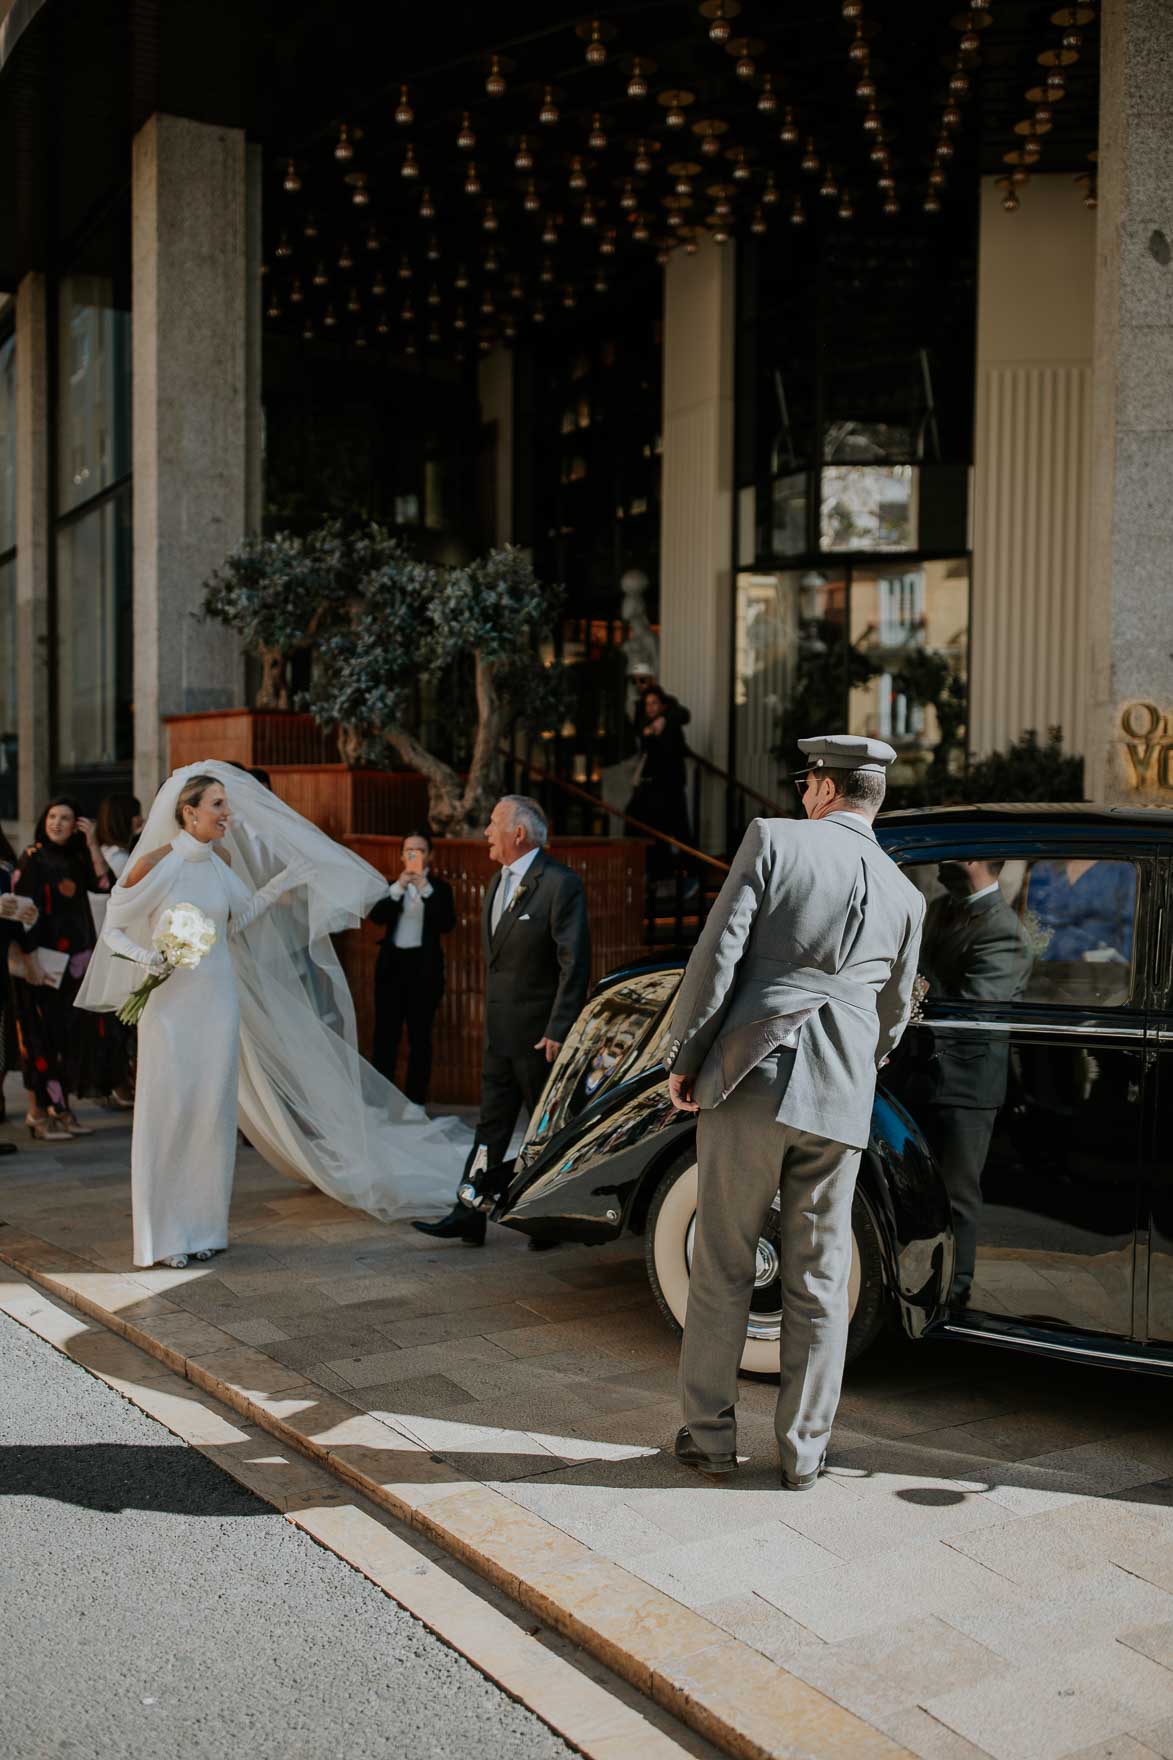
[660, 799]
[58, 871]
[16, 915]
[409, 975]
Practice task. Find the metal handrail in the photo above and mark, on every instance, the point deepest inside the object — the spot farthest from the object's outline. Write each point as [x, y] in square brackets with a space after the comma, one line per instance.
[584, 794]
[777, 811]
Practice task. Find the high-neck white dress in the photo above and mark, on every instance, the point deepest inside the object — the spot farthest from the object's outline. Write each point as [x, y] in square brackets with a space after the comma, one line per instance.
[184, 1146]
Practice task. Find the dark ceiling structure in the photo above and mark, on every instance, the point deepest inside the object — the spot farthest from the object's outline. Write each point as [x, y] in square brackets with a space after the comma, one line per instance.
[443, 177]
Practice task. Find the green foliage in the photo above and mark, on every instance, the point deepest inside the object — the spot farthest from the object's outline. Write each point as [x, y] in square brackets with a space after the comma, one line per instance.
[928, 677]
[414, 624]
[390, 635]
[1027, 771]
[829, 668]
[281, 592]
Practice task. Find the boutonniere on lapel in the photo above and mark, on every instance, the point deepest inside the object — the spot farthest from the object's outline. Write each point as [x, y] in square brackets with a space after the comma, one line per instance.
[518, 893]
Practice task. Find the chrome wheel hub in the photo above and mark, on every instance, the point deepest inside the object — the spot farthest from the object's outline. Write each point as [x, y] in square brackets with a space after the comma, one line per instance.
[767, 1263]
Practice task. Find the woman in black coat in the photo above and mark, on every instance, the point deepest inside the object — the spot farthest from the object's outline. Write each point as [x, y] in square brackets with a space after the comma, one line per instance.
[16, 915]
[660, 797]
[409, 975]
[58, 1043]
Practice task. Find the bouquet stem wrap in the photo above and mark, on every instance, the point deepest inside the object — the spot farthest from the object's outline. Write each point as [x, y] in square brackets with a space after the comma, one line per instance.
[182, 938]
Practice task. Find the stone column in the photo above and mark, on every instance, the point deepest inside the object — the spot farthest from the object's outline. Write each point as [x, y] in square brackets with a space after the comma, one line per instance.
[1032, 466]
[696, 532]
[32, 546]
[191, 422]
[1131, 552]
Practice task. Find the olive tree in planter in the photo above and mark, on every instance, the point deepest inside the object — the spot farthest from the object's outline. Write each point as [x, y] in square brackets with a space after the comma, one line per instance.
[470, 638]
[281, 593]
[389, 632]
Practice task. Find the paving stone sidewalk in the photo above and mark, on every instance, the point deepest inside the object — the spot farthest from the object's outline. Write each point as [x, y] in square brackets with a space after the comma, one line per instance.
[987, 1569]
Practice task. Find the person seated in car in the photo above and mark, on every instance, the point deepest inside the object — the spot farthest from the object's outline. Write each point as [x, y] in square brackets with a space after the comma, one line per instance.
[973, 950]
[1087, 906]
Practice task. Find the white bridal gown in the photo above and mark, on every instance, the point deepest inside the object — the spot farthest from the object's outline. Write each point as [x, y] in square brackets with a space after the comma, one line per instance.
[262, 1030]
[184, 1145]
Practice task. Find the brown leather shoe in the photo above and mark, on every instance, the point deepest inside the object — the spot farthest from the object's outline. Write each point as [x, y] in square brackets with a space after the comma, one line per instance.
[690, 1455]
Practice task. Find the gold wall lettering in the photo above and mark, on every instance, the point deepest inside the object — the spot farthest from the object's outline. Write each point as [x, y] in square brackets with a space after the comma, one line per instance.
[1148, 745]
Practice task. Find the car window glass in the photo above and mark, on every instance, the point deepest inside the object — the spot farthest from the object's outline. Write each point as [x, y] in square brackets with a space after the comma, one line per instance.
[611, 1039]
[1055, 931]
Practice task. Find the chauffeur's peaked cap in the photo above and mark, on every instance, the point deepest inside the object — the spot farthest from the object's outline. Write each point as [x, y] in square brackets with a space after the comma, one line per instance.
[845, 751]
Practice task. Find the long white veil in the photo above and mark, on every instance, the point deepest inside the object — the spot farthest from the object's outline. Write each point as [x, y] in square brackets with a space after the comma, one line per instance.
[313, 1107]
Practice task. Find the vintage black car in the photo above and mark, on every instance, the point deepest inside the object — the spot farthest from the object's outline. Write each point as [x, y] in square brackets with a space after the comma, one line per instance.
[1018, 1186]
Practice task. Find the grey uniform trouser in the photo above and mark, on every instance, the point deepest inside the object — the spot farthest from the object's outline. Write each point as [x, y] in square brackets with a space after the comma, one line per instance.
[745, 1158]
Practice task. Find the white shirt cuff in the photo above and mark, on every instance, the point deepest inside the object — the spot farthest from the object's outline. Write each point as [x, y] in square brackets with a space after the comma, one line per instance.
[397, 892]
[426, 889]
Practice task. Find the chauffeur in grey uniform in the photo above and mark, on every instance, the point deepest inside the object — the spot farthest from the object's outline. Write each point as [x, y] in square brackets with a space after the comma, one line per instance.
[796, 992]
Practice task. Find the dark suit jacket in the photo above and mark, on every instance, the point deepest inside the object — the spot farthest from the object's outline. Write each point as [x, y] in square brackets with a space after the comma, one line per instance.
[970, 953]
[439, 919]
[538, 965]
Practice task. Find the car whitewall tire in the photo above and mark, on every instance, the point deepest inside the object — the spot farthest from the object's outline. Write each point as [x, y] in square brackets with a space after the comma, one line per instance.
[668, 1251]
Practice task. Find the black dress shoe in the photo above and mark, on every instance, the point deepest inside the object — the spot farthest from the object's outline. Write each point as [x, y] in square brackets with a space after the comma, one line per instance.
[804, 1481]
[460, 1224]
[7, 1148]
[688, 1452]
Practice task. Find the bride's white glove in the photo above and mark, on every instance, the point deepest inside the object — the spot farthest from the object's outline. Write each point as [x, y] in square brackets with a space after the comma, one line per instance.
[118, 941]
[298, 871]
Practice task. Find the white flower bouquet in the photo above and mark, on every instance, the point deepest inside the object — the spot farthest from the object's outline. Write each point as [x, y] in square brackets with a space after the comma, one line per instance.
[183, 936]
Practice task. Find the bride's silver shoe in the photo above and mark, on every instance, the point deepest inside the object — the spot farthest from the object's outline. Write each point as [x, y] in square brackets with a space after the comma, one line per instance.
[176, 1262]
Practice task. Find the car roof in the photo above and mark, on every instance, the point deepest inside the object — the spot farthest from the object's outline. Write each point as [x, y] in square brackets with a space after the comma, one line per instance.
[1082, 813]
[1025, 824]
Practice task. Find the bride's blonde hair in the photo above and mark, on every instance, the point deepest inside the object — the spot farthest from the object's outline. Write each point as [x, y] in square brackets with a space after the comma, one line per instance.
[192, 793]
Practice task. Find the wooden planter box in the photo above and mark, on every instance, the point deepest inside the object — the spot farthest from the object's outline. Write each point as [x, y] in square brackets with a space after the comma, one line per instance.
[303, 768]
[613, 873]
[264, 737]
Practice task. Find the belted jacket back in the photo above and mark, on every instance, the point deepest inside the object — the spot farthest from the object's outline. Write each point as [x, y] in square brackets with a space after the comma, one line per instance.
[812, 944]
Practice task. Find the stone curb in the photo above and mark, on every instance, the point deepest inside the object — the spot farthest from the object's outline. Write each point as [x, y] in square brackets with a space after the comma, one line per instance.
[591, 1715]
[730, 1693]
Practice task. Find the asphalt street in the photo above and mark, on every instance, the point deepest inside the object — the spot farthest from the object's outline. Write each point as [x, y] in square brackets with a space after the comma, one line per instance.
[150, 1606]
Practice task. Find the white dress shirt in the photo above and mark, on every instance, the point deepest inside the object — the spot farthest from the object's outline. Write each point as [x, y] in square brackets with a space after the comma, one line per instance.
[409, 929]
[511, 877]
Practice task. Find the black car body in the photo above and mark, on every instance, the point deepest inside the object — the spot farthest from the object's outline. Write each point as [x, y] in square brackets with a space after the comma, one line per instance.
[1055, 1077]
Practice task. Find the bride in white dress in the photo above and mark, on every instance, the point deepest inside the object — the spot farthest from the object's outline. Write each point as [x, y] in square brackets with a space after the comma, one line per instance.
[262, 1028]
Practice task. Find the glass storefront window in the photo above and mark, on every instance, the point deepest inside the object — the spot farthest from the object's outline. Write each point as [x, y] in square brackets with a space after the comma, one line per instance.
[868, 507]
[94, 658]
[8, 708]
[93, 448]
[867, 650]
[7, 444]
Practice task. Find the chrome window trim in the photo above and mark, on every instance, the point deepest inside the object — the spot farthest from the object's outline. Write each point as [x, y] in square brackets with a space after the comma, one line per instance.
[1063, 1028]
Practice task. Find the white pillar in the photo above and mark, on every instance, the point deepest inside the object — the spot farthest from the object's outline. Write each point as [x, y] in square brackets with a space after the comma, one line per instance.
[32, 545]
[191, 423]
[1130, 676]
[1032, 456]
[696, 531]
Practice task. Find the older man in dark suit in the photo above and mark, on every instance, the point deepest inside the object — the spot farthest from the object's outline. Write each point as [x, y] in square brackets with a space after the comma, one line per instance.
[537, 968]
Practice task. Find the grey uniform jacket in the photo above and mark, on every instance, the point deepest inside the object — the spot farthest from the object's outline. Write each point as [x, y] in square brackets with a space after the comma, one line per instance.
[812, 942]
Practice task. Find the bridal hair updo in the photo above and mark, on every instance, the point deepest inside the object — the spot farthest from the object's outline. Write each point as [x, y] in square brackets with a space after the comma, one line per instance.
[192, 793]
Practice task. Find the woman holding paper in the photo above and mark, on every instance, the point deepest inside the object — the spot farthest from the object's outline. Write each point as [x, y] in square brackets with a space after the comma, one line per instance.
[61, 866]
